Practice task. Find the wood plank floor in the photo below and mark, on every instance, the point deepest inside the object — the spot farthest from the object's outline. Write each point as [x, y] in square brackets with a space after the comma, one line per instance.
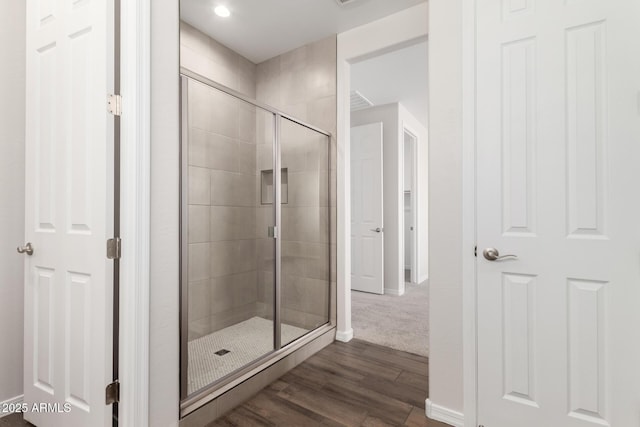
[345, 384]
[14, 420]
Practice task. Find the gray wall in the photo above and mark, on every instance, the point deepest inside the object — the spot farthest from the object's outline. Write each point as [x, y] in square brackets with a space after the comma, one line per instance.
[12, 123]
[445, 204]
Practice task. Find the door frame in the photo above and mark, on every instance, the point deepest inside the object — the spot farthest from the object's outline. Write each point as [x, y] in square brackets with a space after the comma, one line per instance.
[390, 33]
[135, 179]
[387, 34]
[469, 216]
[415, 195]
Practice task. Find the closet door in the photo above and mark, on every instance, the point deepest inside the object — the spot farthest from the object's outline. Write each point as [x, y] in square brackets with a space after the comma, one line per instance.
[557, 150]
[69, 212]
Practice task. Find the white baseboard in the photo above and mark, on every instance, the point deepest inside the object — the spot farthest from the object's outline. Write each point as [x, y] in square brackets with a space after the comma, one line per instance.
[444, 415]
[12, 401]
[395, 292]
[424, 278]
[344, 336]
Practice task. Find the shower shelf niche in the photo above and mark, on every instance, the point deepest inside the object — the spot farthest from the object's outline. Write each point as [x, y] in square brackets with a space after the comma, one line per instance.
[266, 186]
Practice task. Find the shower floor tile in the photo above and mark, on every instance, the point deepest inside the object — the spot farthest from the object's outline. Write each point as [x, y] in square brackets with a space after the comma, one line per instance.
[244, 342]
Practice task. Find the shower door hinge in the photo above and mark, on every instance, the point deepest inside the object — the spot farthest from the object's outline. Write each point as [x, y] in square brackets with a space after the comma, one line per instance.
[112, 393]
[114, 248]
[114, 104]
[272, 232]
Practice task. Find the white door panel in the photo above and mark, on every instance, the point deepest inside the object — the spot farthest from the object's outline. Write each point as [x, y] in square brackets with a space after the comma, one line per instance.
[367, 245]
[557, 141]
[69, 212]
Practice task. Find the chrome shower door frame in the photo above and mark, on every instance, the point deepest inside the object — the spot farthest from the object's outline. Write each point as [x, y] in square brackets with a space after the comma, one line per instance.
[190, 403]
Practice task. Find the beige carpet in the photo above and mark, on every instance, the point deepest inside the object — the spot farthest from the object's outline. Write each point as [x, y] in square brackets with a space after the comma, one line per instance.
[392, 321]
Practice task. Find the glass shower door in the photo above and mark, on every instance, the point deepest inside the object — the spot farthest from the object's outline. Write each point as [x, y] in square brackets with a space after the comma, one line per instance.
[255, 245]
[227, 249]
[305, 218]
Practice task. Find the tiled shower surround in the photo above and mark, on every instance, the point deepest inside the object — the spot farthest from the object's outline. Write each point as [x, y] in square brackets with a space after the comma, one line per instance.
[230, 255]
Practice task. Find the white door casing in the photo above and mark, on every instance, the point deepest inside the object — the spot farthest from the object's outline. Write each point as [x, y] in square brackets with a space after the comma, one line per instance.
[408, 232]
[367, 245]
[410, 141]
[69, 211]
[557, 147]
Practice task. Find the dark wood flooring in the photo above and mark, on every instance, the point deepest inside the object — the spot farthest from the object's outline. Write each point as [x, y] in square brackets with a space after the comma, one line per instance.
[14, 420]
[345, 384]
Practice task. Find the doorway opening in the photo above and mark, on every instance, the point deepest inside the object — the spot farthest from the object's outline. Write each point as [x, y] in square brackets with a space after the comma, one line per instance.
[410, 206]
[388, 148]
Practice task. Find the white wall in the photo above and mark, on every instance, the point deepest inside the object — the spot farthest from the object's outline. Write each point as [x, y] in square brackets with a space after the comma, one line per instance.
[445, 201]
[164, 276]
[12, 110]
[415, 126]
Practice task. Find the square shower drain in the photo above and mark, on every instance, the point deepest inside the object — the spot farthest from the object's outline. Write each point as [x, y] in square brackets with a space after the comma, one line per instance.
[222, 352]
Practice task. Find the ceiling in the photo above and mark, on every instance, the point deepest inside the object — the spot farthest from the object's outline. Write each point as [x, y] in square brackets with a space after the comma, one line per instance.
[262, 29]
[397, 76]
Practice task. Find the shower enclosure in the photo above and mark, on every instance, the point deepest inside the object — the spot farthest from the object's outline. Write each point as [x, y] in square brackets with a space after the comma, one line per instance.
[255, 246]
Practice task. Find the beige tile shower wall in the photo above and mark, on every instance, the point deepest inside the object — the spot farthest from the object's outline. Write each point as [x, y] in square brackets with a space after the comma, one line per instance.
[205, 56]
[222, 195]
[303, 83]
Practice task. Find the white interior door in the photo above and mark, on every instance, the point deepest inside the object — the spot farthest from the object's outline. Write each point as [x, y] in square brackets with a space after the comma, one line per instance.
[69, 212]
[557, 171]
[367, 241]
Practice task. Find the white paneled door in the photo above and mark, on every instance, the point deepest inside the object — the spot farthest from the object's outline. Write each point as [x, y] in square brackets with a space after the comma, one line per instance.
[558, 147]
[367, 242]
[69, 212]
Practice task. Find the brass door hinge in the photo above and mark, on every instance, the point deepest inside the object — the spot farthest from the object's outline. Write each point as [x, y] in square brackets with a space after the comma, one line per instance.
[112, 393]
[114, 248]
[114, 104]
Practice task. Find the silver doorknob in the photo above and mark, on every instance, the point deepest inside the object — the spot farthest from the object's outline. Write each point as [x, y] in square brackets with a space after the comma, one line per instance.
[26, 249]
[377, 230]
[492, 254]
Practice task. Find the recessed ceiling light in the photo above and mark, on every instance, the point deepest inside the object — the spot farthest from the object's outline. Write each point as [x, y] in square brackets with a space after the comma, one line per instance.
[222, 11]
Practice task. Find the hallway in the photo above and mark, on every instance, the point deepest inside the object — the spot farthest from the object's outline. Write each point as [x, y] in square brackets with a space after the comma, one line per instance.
[399, 322]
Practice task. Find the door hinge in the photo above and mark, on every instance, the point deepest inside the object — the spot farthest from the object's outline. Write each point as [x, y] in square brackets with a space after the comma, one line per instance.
[475, 251]
[272, 232]
[112, 393]
[114, 248]
[114, 104]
